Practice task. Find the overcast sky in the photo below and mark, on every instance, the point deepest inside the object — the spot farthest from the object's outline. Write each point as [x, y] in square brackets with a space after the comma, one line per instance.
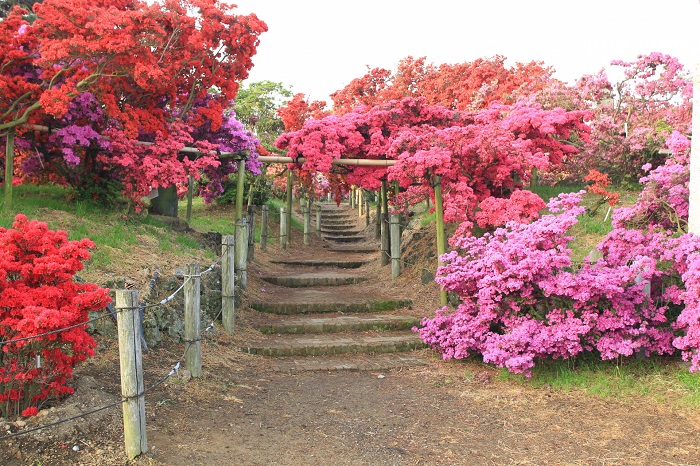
[318, 46]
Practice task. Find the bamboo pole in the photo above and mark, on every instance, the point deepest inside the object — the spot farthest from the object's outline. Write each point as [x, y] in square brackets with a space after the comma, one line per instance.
[395, 231]
[437, 186]
[251, 233]
[283, 228]
[9, 169]
[384, 260]
[134, 408]
[318, 220]
[367, 211]
[289, 206]
[378, 226]
[227, 282]
[242, 251]
[193, 355]
[240, 187]
[264, 226]
[190, 195]
[306, 210]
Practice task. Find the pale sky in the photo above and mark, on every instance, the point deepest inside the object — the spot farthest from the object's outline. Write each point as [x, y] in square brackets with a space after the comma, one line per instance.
[318, 46]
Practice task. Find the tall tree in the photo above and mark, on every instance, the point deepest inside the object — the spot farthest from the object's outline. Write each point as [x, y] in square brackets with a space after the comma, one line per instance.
[256, 107]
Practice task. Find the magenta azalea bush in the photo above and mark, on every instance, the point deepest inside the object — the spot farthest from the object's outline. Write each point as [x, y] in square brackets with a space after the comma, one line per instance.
[524, 300]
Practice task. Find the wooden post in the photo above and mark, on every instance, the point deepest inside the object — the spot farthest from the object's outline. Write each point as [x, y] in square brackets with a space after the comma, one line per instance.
[306, 209]
[352, 198]
[385, 246]
[378, 226]
[190, 195]
[193, 355]
[134, 408]
[251, 232]
[242, 251]
[318, 220]
[395, 231]
[9, 169]
[440, 222]
[263, 227]
[240, 187]
[289, 206]
[360, 203]
[283, 228]
[227, 282]
[367, 212]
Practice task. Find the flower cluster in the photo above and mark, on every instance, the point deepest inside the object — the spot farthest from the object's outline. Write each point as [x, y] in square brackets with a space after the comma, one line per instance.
[38, 295]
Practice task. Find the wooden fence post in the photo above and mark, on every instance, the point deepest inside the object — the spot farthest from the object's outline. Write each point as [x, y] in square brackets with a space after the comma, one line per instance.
[193, 355]
[360, 203]
[385, 239]
[395, 228]
[263, 227]
[378, 226]
[318, 220]
[307, 222]
[242, 251]
[134, 408]
[440, 223]
[240, 187]
[367, 211]
[227, 282]
[283, 228]
[288, 224]
[251, 232]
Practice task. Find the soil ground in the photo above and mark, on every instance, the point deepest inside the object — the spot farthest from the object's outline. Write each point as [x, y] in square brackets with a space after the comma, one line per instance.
[245, 410]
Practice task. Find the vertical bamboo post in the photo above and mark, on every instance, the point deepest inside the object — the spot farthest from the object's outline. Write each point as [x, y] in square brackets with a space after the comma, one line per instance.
[227, 282]
[352, 198]
[240, 187]
[283, 228]
[306, 208]
[437, 186]
[251, 232]
[193, 355]
[242, 251]
[289, 206]
[367, 211]
[134, 408]
[378, 225]
[190, 195]
[395, 231]
[385, 240]
[263, 227]
[318, 220]
[9, 169]
[360, 203]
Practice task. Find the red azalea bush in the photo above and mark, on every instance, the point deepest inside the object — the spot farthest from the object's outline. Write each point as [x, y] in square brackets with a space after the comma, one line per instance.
[37, 296]
[522, 206]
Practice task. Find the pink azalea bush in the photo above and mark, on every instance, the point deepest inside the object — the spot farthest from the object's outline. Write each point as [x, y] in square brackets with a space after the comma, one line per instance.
[524, 300]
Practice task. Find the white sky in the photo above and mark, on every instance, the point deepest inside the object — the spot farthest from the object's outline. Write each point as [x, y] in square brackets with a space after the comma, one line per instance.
[318, 46]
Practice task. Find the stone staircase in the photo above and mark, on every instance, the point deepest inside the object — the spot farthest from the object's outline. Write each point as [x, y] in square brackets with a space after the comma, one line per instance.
[315, 314]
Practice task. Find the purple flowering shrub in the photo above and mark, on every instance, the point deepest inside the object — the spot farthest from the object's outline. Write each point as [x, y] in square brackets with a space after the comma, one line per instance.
[523, 300]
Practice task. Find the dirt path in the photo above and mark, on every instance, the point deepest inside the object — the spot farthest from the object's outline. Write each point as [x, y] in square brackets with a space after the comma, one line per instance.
[252, 410]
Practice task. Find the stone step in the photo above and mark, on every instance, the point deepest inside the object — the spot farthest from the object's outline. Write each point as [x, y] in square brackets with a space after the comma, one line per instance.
[338, 226]
[345, 239]
[326, 278]
[318, 345]
[341, 232]
[322, 301]
[341, 264]
[349, 362]
[354, 249]
[338, 323]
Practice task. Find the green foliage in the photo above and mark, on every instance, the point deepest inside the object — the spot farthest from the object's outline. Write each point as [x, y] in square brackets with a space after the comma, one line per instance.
[660, 378]
[256, 107]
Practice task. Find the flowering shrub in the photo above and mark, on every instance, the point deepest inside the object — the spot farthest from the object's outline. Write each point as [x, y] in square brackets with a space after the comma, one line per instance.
[523, 299]
[522, 206]
[38, 295]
